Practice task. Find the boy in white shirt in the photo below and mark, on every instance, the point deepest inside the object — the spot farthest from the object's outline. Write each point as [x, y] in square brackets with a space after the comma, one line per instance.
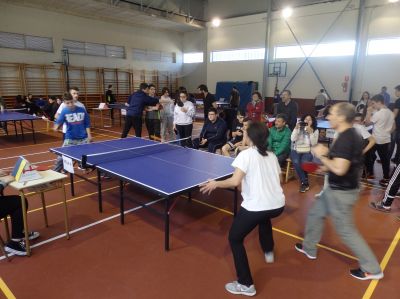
[383, 121]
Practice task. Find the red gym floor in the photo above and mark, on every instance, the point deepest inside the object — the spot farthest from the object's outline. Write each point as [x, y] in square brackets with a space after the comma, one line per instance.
[104, 259]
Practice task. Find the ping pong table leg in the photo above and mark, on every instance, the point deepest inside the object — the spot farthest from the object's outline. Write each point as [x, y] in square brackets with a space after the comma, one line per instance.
[15, 129]
[166, 228]
[71, 179]
[33, 132]
[22, 129]
[235, 201]
[121, 194]
[99, 191]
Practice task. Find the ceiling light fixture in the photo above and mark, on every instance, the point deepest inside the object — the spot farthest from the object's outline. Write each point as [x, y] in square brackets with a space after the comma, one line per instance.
[287, 12]
[216, 22]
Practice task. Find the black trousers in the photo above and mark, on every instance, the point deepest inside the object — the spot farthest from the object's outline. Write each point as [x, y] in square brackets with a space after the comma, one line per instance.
[211, 146]
[244, 222]
[392, 188]
[383, 152]
[395, 143]
[185, 131]
[10, 205]
[136, 122]
[153, 128]
[369, 160]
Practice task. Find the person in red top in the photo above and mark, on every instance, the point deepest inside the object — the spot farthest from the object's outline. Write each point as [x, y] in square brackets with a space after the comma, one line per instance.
[255, 108]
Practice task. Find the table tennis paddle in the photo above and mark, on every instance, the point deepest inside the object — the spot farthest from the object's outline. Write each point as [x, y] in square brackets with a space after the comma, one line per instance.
[310, 166]
[41, 167]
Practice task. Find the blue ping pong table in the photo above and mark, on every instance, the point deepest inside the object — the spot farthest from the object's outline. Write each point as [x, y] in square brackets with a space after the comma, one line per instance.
[13, 116]
[164, 169]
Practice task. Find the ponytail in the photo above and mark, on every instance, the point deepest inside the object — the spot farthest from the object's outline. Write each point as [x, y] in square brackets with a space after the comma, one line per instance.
[258, 134]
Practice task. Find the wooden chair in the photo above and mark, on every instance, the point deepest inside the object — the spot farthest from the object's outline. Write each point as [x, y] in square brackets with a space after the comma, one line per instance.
[289, 173]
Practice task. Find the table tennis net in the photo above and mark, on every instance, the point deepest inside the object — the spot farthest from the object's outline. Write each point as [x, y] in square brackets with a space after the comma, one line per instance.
[129, 153]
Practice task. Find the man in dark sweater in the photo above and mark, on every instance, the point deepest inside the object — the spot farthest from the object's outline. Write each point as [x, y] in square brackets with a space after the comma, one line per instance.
[209, 100]
[134, 111]
[213, 134]
[288, 107]
[50, 109]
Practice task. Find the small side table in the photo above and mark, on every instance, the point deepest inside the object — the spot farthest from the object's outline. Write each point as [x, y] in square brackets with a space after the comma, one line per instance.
[50, 180]
[100, 111]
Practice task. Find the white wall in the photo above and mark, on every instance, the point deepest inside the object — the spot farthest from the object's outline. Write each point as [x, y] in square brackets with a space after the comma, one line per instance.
[194, 74]
[309, 24]
[31, 21]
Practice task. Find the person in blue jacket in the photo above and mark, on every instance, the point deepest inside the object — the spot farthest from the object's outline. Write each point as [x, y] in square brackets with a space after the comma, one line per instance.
[134, 112]
[213, 134]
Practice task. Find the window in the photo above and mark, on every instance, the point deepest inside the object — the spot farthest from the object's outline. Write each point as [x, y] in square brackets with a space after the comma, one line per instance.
[345, 48]
[196, 57]
[93, 49]
[237, 55]
[153, 55]
[25, 42]
[383, 46]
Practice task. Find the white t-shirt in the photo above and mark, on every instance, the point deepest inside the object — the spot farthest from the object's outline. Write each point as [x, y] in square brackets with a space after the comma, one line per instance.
[261, 187]
[62, 106]
[383, 120]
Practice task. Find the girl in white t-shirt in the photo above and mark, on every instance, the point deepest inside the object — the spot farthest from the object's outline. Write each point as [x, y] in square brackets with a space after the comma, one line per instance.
[258, 172]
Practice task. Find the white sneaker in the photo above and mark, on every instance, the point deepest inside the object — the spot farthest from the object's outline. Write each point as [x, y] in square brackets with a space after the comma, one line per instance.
[238, 289]
[269, 257]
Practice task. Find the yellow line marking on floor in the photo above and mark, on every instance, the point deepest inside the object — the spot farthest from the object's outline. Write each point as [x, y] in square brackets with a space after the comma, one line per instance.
[279, 230]
[372, 285]
[5, 289]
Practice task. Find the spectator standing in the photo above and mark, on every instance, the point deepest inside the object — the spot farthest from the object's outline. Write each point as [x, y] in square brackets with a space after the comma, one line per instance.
[289, 108]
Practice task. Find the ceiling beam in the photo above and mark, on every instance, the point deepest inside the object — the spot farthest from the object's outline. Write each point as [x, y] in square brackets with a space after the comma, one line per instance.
[166, 15]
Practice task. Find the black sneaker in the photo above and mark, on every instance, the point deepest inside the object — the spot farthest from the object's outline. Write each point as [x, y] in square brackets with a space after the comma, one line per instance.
[360, 274]
[299, 248]
[17, 248]
[304, 188]
[384, 182]
[379, 206]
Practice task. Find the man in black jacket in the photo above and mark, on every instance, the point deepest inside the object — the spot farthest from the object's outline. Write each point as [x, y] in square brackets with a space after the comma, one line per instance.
[213, 134]
[134, 111]
[288, 107]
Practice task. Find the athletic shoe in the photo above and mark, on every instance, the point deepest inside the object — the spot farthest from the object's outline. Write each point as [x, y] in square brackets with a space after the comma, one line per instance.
[384, 182]
[318, 195]
[269, 257]
[360, 274]
[17, 248]
[304, 188]
[299, 248]
[379, 206]
[238, 289]
[33, 235]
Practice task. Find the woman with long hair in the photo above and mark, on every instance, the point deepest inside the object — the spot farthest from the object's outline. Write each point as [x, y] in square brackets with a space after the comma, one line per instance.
[258, 172]
[255, 108]
[304, 136]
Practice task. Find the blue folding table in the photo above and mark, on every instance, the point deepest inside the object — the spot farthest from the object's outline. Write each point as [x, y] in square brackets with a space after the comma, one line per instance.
[164, 169]
[13, 116]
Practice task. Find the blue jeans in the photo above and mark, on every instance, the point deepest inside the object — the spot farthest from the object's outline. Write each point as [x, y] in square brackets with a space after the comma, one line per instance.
[298, 160]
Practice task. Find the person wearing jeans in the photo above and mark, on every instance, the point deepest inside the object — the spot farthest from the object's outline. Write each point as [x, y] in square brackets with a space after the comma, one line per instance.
[300, 154]
[383, 121]
[258, 172]
[167, 115]
[343, 163]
